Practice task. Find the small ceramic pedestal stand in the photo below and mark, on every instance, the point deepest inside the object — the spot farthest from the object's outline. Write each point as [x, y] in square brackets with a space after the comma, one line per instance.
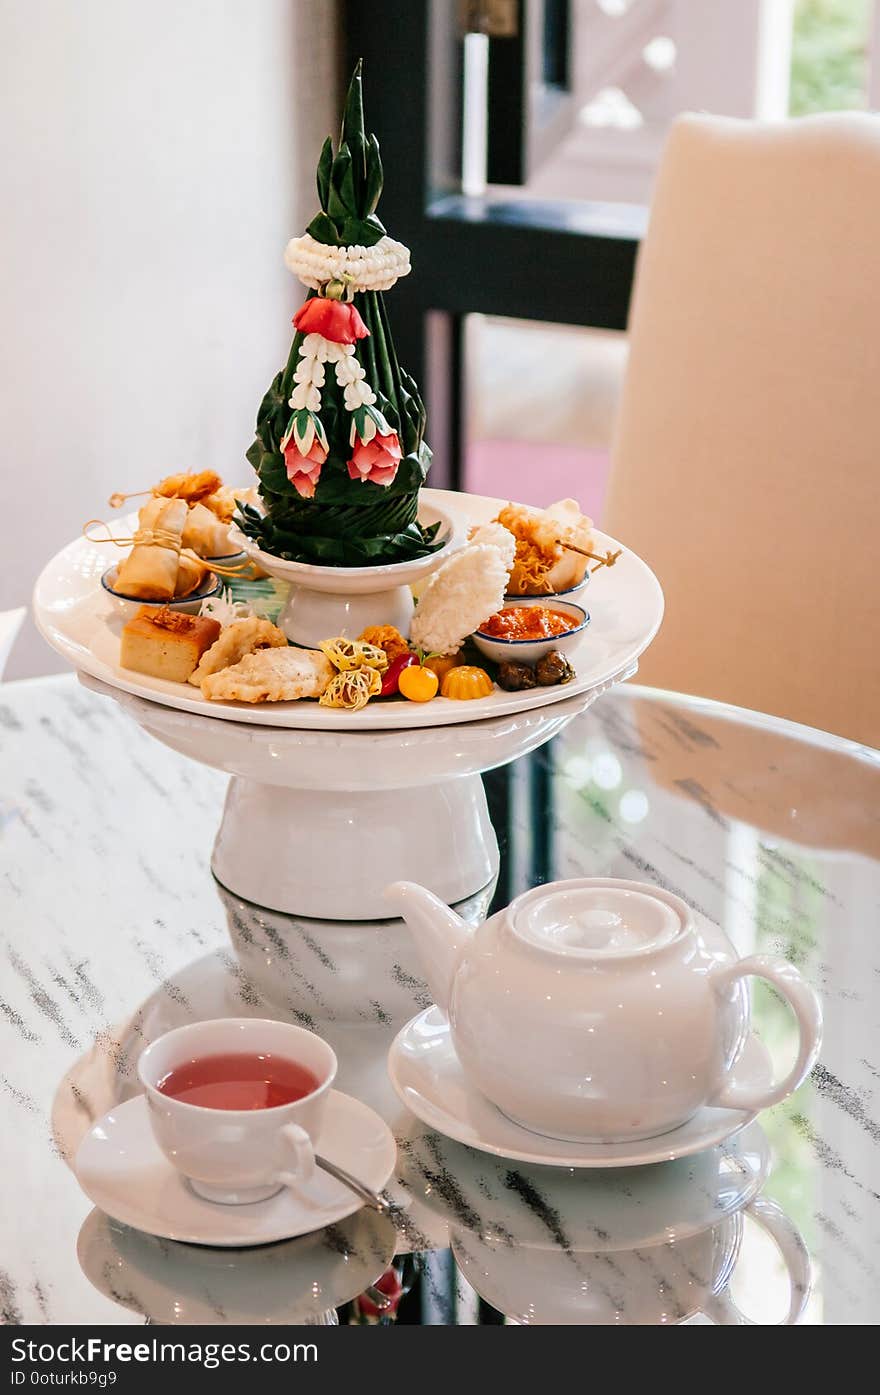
[327, 601]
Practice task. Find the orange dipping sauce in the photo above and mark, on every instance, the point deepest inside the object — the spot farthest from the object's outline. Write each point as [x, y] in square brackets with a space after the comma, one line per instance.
[528, 622]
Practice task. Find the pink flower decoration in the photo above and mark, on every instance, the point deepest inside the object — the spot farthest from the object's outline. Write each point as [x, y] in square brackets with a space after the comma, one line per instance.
[375, 460]
[304, 471]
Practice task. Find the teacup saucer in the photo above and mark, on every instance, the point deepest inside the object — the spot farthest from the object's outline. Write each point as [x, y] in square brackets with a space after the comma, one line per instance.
[294, 1281]
[122, 1170]
[428, 1078]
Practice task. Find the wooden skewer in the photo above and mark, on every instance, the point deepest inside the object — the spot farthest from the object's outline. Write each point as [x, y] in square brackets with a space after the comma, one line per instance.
[607, 561]
[117, 500]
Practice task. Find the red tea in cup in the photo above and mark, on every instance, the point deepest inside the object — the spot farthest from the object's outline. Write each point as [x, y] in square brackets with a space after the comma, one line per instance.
[239, 1080]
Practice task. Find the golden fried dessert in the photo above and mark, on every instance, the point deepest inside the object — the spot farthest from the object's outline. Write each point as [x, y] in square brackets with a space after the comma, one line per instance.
[240, 638]
[191, 486]
[221, 504]
[352, 689]
[223, 501]
[271, 675]
[544, 560]
[386, 637]
[190, 575]
[166, 643]
[149, 572]
[204, 534]
[348, 654]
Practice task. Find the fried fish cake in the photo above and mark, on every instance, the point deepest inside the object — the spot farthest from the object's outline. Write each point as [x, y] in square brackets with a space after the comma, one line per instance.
[238, 639]
[271, 675]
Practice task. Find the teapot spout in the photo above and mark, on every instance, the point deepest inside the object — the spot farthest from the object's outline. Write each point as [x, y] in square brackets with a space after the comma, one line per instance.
[439, 933]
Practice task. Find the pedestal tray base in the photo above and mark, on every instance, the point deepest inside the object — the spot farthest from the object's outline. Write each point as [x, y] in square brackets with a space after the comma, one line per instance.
[330, 853]
[317, 823]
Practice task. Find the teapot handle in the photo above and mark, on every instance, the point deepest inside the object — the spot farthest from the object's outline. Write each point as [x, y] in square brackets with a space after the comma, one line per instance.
[806, 1007]
[723, 1310]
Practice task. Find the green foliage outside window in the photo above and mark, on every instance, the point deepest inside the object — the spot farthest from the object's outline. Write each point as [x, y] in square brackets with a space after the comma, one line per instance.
[829, 55]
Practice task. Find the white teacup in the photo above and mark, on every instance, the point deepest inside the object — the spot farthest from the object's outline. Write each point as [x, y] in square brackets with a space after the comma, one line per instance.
[238, 1155]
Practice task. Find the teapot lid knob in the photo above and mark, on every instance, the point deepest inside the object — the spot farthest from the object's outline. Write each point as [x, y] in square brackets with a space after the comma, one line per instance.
[601, 921]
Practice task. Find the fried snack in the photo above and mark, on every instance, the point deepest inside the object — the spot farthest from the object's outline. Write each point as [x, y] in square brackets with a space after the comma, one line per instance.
[349, 654]
[352, 689]
[459, 596]
[553, 668]
[189, 486]
[221, 504]
[190, 575]
[387, 638]
[203, 533]
[271, 675]
[496, 535]
[240, 638]
[223, 501]
[149, 572]
[515, 678]
[543, 563]
[166, 643]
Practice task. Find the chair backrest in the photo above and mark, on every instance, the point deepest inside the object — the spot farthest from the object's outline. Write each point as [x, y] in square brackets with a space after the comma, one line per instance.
[11, 622]
[746, 465]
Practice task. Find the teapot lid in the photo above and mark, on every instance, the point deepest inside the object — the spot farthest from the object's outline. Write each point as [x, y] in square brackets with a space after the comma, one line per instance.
[598, 920]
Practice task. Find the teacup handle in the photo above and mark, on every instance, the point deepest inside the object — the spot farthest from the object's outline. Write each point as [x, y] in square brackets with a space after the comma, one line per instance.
[806, 1007]
[303, 1157]
[788, 1240]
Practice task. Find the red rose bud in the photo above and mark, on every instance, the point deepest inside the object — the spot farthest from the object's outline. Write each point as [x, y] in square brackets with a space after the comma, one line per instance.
[375, 460]
[304, 471]
[332, 319]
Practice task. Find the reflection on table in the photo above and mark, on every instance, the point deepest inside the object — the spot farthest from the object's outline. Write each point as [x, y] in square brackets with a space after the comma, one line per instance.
[114, 932]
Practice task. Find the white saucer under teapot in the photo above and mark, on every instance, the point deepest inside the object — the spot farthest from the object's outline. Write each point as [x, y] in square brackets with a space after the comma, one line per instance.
[595, 1011]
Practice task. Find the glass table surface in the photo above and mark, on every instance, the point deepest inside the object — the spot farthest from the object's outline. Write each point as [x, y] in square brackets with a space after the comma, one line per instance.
[114, 931]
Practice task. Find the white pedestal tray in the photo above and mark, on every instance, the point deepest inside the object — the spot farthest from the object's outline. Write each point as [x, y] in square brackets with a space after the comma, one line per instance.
[325, 807]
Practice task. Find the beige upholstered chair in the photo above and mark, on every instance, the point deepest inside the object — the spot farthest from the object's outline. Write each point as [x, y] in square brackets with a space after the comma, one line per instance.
[746, 466]
[11, 622]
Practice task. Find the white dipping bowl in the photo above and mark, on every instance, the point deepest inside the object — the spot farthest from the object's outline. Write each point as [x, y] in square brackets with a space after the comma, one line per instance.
[529, 651]
[130, 605]
[548, 597]
[227, 559]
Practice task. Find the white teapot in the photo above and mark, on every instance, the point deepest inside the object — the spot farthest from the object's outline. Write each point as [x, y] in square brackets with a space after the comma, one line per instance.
[594, 1011]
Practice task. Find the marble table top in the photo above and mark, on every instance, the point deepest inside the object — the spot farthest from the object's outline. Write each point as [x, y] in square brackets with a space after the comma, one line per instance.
[113, 930]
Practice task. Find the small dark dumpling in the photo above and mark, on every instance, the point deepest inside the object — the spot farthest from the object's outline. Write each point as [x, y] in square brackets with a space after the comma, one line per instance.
[513, 678]
[553, 668]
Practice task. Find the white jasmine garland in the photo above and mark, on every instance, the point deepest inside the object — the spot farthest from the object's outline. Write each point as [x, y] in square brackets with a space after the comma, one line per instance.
[314, 352]
[370, 268]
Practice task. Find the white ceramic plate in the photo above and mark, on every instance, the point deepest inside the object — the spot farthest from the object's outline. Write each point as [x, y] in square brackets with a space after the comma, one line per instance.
[428, 1078]
[121, 1168]
[77, 618]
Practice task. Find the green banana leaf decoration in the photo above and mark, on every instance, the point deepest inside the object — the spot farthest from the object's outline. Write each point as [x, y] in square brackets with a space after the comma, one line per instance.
[320, 505]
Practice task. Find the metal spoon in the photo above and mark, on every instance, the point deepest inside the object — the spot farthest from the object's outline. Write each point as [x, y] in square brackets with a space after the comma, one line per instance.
[366, 1194]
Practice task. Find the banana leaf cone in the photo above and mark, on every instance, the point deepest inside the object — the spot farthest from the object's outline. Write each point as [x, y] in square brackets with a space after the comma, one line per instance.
[349, 522]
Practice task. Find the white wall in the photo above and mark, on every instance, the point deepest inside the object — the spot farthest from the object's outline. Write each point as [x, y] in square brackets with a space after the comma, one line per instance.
[155, 159]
